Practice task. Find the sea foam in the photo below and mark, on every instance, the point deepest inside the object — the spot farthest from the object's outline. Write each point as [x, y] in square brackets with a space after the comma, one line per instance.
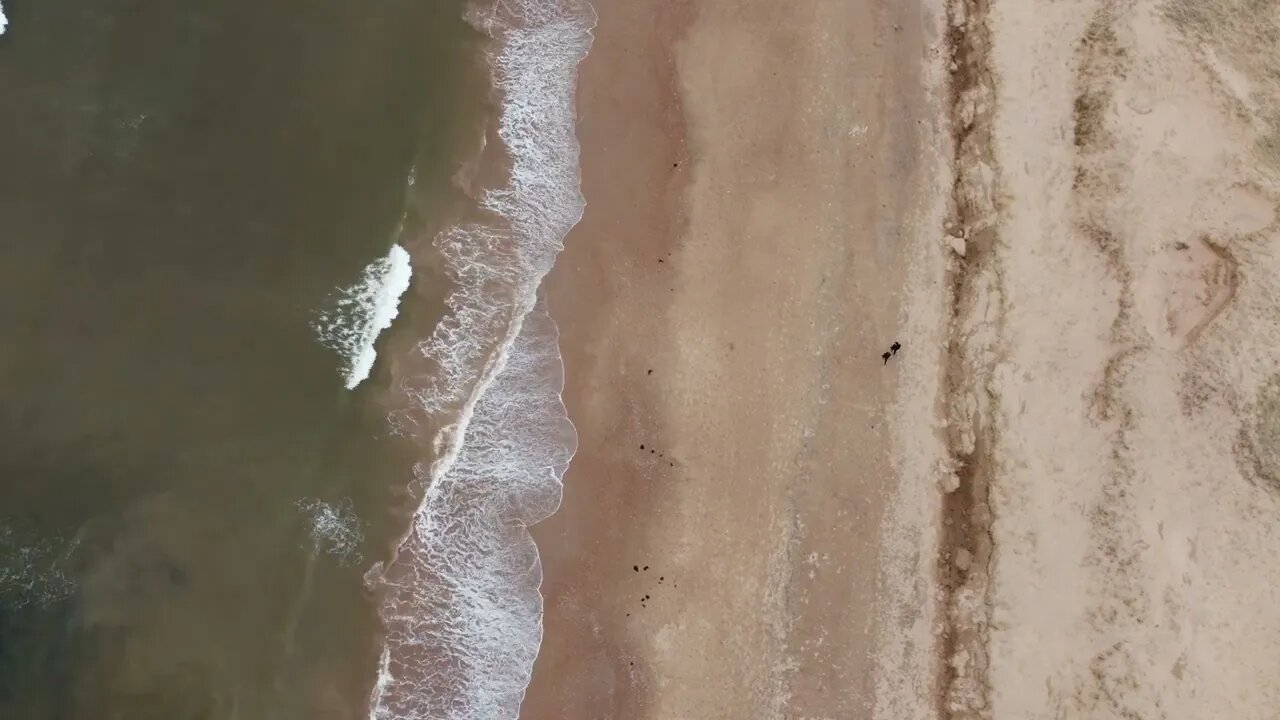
[460, 603]
[4, 21]
[360, 312]
[496, 267]
[33, 570]
[462, 609]
[335, 528]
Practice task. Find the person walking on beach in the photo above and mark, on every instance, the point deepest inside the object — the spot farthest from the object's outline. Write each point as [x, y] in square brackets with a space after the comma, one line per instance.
[895, 347]
[886, 357]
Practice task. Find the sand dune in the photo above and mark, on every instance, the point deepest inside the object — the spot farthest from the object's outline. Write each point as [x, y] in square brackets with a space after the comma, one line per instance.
[1136, 548]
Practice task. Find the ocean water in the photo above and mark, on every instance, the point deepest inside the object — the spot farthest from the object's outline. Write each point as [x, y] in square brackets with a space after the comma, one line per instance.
[279, 398]
[206, 210]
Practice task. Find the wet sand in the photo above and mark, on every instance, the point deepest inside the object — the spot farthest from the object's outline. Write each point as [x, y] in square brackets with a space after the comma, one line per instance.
[753, 178]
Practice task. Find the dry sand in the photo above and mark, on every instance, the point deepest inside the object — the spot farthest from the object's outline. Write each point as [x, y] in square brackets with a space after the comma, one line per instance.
[1137, 530]
[1060, 501]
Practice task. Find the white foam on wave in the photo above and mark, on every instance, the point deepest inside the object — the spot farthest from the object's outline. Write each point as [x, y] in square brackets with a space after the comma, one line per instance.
[463, 612]
[496, 267]
[4, 21]
[360, 312]
[461, 606]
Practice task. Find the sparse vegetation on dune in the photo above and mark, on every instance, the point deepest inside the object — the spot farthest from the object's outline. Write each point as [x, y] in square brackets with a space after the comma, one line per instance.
[1245, 34]
[1262, 446]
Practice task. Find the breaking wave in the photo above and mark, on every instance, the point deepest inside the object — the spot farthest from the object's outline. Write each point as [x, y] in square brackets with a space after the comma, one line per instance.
[359, 313]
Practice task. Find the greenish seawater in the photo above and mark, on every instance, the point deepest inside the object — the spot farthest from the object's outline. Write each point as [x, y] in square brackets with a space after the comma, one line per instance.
[188, 495]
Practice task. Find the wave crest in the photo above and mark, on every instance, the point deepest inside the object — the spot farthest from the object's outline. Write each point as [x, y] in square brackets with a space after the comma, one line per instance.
[360, 312]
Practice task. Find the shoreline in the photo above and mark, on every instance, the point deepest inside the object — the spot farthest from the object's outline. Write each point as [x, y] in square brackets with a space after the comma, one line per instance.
[702, 491]
[467, 389]
[651, 86]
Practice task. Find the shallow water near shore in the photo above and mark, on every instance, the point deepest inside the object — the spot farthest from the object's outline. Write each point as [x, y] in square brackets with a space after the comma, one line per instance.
[189, 496]
[461, 600]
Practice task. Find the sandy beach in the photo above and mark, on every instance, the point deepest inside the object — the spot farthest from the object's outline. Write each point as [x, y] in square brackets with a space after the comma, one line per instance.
[752, 177]
[1059, 499]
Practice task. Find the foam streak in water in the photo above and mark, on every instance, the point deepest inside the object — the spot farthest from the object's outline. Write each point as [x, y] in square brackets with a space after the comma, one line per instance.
[335, 528]
[496, 267]
[463, 612]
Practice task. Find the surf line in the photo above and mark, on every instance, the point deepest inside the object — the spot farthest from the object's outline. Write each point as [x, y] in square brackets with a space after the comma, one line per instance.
[460, 603]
